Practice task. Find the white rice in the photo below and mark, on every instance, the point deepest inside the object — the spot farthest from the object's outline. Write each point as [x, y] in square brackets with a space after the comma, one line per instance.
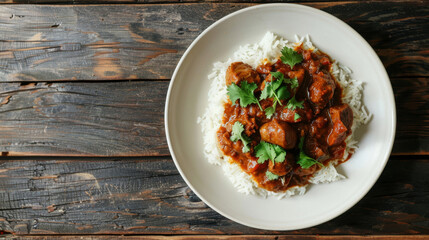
[253, 54]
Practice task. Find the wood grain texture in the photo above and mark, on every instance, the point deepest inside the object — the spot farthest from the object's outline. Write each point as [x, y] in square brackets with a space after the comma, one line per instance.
[232, 237]
[148, 196]
[175, 1]
[106, 119]
[139, 1]
[116, 42]
[412, 111]
[127, 118]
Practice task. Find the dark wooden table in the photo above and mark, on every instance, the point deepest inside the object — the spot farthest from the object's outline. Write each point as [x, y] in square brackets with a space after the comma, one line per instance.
[82, 92]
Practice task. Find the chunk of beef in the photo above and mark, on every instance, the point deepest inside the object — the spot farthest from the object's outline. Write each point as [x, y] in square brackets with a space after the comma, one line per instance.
[342, 119]
[315, 149]
[305, 114]
[239, 71]
[325, 61]
[265, 68]
[242, 115]
[298, 74]
[319, 127]
[321, 90]
[282, 168]
[253, 165]
[279, 133]
[281, 67]
[306, 171]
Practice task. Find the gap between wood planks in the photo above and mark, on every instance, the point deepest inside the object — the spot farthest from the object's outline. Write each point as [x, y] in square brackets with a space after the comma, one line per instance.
[233, 237]
[120, 46]
[410, 139]
[188, 2]
[23, 83]
[67, 196]
[150, 158]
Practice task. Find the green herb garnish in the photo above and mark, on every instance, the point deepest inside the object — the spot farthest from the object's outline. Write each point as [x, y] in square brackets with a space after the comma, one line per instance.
[245, 93]
[293, 104]
[293, 82]
[265, 151]
[269, 111]
[238, 134]
[305, 161]
[279, 76]
[271, 176]
[275, 90]
[290, 57]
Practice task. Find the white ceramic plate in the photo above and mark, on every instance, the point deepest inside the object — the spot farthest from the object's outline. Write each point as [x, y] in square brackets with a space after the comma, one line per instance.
[187, 98]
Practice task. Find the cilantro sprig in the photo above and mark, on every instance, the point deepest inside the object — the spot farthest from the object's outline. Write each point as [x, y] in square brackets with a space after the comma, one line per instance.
[296, 117]
[303, 159]
[245, 93]
[293, 82]
[267, 151]
[238, 134]
[271, 176]
[279, 76]
[278, 92]
[290, 57]
[293, 104]
[275, 90]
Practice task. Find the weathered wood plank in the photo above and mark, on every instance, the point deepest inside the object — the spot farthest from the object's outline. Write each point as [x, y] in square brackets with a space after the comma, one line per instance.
[173, 1]
[96, 42]
[412, 111]
[232, 237]
[127, 118]
[148, 196]
[116, 119]
[140, 1]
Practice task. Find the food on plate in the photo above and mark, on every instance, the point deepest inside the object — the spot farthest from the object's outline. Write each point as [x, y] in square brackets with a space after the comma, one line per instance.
[281, 115]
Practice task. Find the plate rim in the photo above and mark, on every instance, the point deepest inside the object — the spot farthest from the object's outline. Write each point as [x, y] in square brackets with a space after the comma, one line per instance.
[355, 34]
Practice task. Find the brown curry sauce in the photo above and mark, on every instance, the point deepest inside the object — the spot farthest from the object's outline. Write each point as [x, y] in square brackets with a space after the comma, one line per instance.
[325, 121]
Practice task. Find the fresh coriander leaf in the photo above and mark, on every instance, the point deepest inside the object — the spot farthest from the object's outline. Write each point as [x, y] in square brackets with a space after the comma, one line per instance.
[246, 147]
[269, 111]
[280, 154]
[264, 151]
[280, 158]
[281, 77]
[293, 104]
[276, 84]
[294, 83]
[267, 151]
[245, 93]
[306, 161]
[238, 134]
[271, 176]
[277, 75]
[283, 93]
[237, 129]
[275, 90]
[266, 92]
[277, 149]
[303, 160]
[290, 57]
[301, 143]
[296, 117]
[270, 88]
